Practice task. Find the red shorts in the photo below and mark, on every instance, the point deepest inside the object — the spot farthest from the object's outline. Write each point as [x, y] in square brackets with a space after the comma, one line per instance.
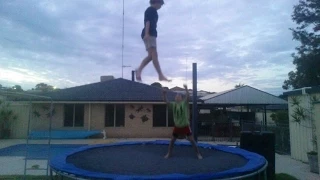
[184, 131]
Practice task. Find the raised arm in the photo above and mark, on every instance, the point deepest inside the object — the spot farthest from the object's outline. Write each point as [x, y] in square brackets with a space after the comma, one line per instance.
[165, 98]
[187, 99]
[187, 93]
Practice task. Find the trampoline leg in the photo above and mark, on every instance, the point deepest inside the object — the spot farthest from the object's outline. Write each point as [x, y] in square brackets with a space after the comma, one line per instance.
[50, 174]
[265, 175]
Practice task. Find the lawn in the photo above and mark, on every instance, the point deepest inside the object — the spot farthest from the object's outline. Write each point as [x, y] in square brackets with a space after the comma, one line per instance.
[285, 177]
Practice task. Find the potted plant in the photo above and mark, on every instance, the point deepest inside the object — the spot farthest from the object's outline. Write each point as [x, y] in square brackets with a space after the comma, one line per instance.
[306, 113]
[7, 116]
[313, 161]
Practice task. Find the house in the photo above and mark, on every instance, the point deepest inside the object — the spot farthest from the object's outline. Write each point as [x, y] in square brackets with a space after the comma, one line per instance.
[183, 91]
[246, 99]
[304, 117]
[121, 107]
[235, 110]
[271, 109]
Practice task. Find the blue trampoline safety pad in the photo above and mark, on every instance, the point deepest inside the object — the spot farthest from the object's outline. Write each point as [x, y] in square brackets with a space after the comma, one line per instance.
[249, 162]
[62, 134]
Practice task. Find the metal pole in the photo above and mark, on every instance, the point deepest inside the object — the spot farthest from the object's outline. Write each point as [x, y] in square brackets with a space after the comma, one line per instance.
[27, 149]
[89, 118]
[50, 134]
[133, 74]
[194, 103]
[122, 65]
[265, 117]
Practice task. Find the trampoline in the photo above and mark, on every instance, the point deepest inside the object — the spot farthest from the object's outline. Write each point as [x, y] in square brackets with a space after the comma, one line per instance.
[145, 160]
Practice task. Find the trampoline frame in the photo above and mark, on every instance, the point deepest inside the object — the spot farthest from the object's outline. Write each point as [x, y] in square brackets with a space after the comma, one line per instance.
[261, 170]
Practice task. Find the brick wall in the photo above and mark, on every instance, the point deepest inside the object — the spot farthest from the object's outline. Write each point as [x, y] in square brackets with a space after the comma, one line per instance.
[138, 123]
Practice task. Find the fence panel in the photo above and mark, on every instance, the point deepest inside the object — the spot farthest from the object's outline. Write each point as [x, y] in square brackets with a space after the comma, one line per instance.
[224, 131]
[282, 138]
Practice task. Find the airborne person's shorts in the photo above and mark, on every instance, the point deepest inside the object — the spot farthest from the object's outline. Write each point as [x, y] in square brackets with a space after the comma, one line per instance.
[150, 42]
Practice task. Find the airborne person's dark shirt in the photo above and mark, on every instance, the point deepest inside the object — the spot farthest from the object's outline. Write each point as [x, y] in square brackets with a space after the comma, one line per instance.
[150, 15]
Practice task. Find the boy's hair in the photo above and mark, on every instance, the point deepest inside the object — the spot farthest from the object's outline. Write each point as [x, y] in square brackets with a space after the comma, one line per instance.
[156, 1]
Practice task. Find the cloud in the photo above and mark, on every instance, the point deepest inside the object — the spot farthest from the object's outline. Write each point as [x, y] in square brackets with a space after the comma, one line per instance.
[69, 43]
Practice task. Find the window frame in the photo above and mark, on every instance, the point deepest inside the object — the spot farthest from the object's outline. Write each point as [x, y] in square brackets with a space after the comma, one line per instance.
[115, 116]
[73, 116]
[167, 116]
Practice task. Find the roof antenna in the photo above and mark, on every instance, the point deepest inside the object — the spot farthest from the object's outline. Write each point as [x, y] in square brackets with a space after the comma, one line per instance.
[123, 66]
[186, 70]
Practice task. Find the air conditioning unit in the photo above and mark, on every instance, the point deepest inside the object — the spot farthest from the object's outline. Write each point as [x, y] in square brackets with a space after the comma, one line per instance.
[106, 78]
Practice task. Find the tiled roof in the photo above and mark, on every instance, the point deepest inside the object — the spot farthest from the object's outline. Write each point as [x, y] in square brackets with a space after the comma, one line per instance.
[245, 95]
[112, 90]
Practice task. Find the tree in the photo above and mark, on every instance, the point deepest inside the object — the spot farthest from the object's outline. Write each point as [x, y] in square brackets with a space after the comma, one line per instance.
[17, 88]
[280, 117]
[7, 116]
[239, 85]
[307, 58]
[156, 84]
[284, 97]
[44, 87]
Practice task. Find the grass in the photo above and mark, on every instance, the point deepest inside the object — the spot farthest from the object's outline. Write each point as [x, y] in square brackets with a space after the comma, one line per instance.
[281, 176]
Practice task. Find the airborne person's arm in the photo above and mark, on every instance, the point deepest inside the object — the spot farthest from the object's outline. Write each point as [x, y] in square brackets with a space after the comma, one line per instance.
[147, 29]
[165, 98]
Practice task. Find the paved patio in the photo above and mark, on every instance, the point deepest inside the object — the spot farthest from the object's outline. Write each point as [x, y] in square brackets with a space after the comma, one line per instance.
[15, 165]
[298, 169]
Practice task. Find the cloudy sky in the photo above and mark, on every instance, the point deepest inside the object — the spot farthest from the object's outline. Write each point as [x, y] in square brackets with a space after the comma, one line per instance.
[74, 42]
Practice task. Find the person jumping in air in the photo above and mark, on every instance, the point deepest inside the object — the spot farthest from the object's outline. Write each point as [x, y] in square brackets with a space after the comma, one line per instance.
[149, 35]
[181, 121]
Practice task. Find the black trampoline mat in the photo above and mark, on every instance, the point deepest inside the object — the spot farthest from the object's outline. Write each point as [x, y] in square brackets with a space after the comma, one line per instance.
[149, 160]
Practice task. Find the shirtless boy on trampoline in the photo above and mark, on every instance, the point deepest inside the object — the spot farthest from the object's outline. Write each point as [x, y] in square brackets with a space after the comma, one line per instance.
[181, 121]
[149, 35]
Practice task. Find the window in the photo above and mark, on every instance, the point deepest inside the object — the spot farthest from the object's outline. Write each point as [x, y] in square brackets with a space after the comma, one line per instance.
[73, 115]
[162, 116]
[170, 117]
[119, 115]
[68, 115]
[159, 115]
[109, 116]
[114, 115]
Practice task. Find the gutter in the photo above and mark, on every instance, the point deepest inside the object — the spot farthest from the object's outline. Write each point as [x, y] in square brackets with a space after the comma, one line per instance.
[99, 102]
[303, 91]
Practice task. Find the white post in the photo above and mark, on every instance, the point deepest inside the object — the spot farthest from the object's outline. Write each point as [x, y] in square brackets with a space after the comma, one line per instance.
[104, 134]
